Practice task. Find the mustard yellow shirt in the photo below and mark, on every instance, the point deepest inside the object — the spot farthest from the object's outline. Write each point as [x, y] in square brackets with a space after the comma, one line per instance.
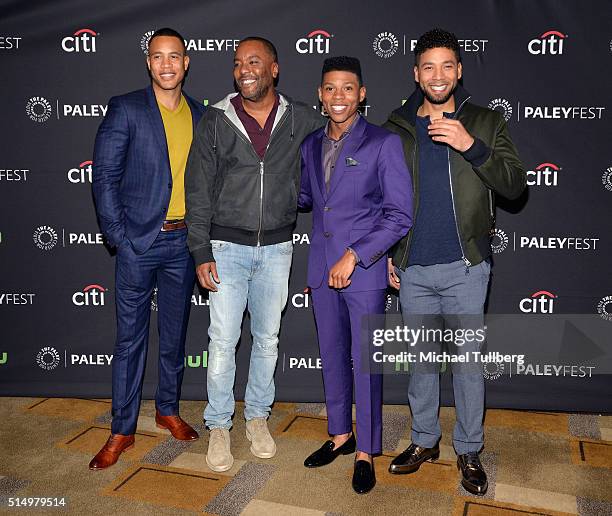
[179, 133]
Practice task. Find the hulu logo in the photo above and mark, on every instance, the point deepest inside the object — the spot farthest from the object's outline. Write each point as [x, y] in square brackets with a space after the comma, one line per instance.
[3, 358]
[402, 367]
[197, 360]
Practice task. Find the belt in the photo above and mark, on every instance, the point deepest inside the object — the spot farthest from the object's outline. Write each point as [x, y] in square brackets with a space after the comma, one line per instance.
[173, 225]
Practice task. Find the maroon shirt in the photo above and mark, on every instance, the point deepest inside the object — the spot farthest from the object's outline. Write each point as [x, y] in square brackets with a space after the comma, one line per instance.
[259, 136]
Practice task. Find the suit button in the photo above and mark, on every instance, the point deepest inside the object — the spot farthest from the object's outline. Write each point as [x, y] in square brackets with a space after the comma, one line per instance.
[327, 234]
[327, 208]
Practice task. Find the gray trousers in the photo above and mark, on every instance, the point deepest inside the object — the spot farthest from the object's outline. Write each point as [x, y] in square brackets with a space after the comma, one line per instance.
[458, 293]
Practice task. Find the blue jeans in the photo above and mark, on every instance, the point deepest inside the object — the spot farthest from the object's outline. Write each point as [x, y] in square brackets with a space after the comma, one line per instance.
[257, 278]
[447, 289]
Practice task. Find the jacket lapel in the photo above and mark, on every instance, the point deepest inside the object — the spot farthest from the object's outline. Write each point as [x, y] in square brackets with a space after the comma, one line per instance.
[317, 150]
[157, 125]
[194, 111]
[353, 142]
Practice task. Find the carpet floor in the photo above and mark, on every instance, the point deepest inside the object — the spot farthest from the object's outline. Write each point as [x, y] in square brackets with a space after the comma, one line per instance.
[538, 463]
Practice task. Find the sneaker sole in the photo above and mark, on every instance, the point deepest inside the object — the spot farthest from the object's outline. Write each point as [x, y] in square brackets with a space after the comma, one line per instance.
[260, 455]
[219, 469]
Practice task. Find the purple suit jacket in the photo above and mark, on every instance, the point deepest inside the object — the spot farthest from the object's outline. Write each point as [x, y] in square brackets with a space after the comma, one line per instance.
[368, 206]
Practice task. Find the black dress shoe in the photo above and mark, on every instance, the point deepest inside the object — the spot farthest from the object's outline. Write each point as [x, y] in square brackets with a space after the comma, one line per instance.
[326, 453]
[474, 478]
[412, 457]
[364, 478]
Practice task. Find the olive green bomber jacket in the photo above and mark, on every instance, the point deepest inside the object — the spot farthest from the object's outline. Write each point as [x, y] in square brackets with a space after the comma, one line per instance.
[491, 166]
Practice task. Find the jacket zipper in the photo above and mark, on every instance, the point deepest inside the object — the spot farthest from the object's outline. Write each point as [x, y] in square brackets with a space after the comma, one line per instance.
[261, 164]
[450, 180]
[404, 260]
[261, 186]
[261, 171]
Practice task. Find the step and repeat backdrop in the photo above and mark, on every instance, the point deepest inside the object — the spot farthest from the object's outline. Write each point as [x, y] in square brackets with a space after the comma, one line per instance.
[545, 66]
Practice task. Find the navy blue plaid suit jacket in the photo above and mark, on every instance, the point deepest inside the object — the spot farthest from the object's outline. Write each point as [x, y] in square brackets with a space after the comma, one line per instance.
[132, 181]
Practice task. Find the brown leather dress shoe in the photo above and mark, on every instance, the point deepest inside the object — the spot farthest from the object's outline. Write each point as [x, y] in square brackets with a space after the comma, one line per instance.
[178, 428]
[109, 454]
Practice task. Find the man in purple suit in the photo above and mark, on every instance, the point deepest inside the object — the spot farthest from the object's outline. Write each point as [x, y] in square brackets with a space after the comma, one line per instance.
[355, 179]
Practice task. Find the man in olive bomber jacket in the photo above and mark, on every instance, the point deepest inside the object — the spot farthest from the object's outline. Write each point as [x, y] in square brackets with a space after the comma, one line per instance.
[461, 155]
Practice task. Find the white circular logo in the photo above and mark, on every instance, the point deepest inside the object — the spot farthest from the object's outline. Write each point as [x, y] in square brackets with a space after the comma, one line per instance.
[388, 302]
[606, 178]
[499, 241]
[154, 300]
[144, 41]
[493, 370]
[604, 308]
[45, 237]
[38, 109]
[385, 45]
[503, 106]
[48, 358]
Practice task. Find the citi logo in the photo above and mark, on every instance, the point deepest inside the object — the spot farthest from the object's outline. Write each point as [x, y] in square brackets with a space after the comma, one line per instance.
[82, 173]
[92, 295]
[545, 174]
[317, 42]
[83, 40]
[550, 42]
[300, 300]
[541, 302]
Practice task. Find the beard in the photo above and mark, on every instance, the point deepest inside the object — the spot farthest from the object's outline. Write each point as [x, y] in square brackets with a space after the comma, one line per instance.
[438, 100]
[259, 93]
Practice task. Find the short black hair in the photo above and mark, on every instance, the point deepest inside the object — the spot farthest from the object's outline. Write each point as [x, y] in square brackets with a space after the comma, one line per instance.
[437, 38]
[167, 31]
[342, 64]
[266, 43]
